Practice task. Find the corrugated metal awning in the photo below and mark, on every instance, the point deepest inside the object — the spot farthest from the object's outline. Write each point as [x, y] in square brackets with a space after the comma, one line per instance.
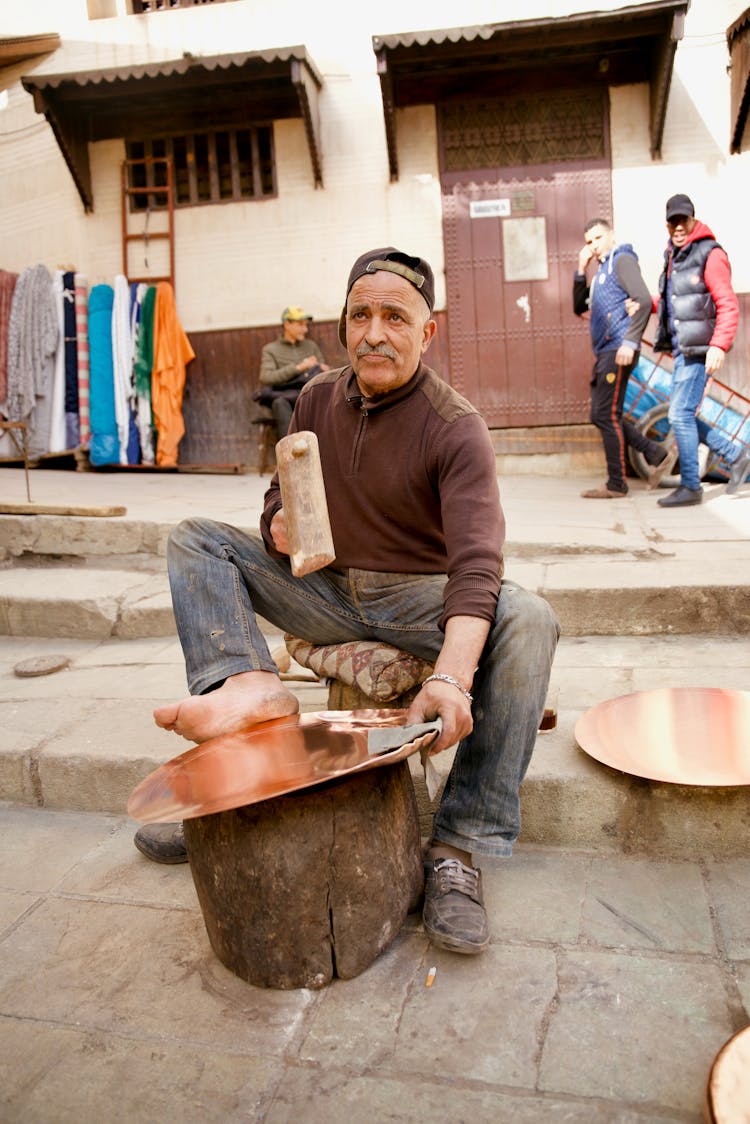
[738, 42]
[163, 96]
[630, 44]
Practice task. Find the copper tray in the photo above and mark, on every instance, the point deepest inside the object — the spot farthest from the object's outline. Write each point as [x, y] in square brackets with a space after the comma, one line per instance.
[271, 759]
[686, 735]
[728, 1090]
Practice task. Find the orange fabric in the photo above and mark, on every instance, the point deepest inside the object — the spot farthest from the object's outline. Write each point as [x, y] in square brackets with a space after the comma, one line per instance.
[172, 353]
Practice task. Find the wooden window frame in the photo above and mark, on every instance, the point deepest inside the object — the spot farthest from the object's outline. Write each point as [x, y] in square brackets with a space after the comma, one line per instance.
[145, 7]
[194, 171]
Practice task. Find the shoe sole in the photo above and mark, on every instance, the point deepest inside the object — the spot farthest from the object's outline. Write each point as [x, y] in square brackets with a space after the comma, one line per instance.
[664, 469]
[168, 860]
[452, 944]
[682, 503]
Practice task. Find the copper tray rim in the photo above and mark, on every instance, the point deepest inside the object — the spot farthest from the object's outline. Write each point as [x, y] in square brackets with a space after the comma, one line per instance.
[611, 761]
[370, 718]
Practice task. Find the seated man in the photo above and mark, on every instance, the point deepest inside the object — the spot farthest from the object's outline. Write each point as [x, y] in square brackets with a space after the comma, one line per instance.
[418, 530]
[285, 366]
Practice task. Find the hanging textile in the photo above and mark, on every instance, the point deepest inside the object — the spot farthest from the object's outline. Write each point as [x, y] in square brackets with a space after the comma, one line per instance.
[7, 288]
[82, 353]
[72, 436]
[104, 444]
[122, 360]
[56, 440]
[32, 342]
[172, 352]
[143, 362]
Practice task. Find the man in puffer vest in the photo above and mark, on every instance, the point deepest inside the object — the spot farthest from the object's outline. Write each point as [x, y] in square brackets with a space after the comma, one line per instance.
[616, 340]
[698, 313]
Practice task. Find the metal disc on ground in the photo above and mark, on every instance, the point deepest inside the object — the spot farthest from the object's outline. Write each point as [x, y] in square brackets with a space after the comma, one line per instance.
[40, 665]
[728, 1089]
[685, 735]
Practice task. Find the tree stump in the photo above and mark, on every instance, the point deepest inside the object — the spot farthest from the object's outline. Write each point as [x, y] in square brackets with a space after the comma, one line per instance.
[303, 887]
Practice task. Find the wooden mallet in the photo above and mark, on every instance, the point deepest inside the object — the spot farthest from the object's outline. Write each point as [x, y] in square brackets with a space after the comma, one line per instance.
[303, 496]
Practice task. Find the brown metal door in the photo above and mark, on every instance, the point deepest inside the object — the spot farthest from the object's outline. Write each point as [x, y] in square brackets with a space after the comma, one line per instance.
[512, 237]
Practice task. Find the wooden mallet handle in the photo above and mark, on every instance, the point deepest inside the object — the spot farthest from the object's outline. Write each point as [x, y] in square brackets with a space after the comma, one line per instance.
[303, 496]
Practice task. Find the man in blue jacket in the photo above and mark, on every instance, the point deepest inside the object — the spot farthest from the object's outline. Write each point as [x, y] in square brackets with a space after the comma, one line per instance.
[616, 340]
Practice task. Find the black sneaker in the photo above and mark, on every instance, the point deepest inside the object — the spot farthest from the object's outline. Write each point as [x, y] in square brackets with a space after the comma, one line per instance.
[162, 842]
[454, 917]
[682, 497]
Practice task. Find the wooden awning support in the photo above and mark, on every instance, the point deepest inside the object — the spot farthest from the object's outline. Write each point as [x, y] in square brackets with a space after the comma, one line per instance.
[132, 101]
[738, 42]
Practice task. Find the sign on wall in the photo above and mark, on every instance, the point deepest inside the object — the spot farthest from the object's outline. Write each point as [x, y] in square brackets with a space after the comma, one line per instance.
[525, 249]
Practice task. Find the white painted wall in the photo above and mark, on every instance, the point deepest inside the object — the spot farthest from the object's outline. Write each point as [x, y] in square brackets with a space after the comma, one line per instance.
[240, 264]
[695, 153]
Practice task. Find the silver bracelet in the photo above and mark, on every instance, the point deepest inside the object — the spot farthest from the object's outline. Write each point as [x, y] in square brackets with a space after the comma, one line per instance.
[449, 679]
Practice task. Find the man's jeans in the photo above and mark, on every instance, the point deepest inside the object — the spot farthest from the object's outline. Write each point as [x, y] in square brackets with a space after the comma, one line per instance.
[221, 577]
[688, 384]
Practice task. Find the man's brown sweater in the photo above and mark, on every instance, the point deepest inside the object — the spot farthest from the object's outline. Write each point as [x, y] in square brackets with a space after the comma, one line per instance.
[410, 482]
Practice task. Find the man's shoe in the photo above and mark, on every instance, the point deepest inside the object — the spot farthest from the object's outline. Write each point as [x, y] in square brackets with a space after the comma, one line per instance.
[682, 497]
[603, 493]
[162, 842]
[657, 472]
[453, 915]
[738, 473]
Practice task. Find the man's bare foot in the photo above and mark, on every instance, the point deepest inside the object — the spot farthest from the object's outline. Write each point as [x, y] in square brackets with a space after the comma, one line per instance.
[243, 700]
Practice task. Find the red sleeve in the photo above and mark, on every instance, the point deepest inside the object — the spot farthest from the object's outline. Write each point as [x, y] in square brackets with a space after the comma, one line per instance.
[718, 276]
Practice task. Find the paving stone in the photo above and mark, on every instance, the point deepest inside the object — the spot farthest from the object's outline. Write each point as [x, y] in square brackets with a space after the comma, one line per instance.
[742, 972]
[567, 799]
[16, 780]
[78, 603]
[356, 1023]
[126, 1080]
[114, 871]
[730, 887]
[635, 1027]
[644, 904]
[105, 961]
[108, 967]
[136, 682]
[147, 615]
[473, 1042]
[538, 895]
[38, 860]
[339, 1097]
[141, 651]
[97, 764]
[13, 904]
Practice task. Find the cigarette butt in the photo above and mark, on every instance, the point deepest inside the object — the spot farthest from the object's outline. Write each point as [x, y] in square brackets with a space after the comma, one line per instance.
[430, 977]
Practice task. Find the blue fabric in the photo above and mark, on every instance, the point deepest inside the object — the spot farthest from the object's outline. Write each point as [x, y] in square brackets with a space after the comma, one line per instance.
[104, 446]
[219, 573]
[609, 321]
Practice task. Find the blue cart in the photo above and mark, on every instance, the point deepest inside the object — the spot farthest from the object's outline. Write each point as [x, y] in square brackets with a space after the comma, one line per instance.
[647, 406]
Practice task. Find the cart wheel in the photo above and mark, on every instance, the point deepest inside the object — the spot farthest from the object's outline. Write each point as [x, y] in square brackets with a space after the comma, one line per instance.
[655, 425]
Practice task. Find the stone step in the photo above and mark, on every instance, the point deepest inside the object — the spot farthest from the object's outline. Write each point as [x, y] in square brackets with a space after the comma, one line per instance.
[83, 738]
[591, 594]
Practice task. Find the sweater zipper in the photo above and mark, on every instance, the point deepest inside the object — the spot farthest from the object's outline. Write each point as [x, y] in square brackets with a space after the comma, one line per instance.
[359, 439]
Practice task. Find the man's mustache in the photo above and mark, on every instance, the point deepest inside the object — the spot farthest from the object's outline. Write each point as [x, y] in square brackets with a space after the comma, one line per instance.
[378, 349]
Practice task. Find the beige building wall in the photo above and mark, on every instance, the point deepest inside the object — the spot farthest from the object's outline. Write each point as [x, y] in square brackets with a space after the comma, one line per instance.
[239, 264]
[695, 154]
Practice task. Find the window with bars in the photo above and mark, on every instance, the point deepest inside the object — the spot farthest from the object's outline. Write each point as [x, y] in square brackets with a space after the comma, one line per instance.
[141, 6]
[211, 167]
